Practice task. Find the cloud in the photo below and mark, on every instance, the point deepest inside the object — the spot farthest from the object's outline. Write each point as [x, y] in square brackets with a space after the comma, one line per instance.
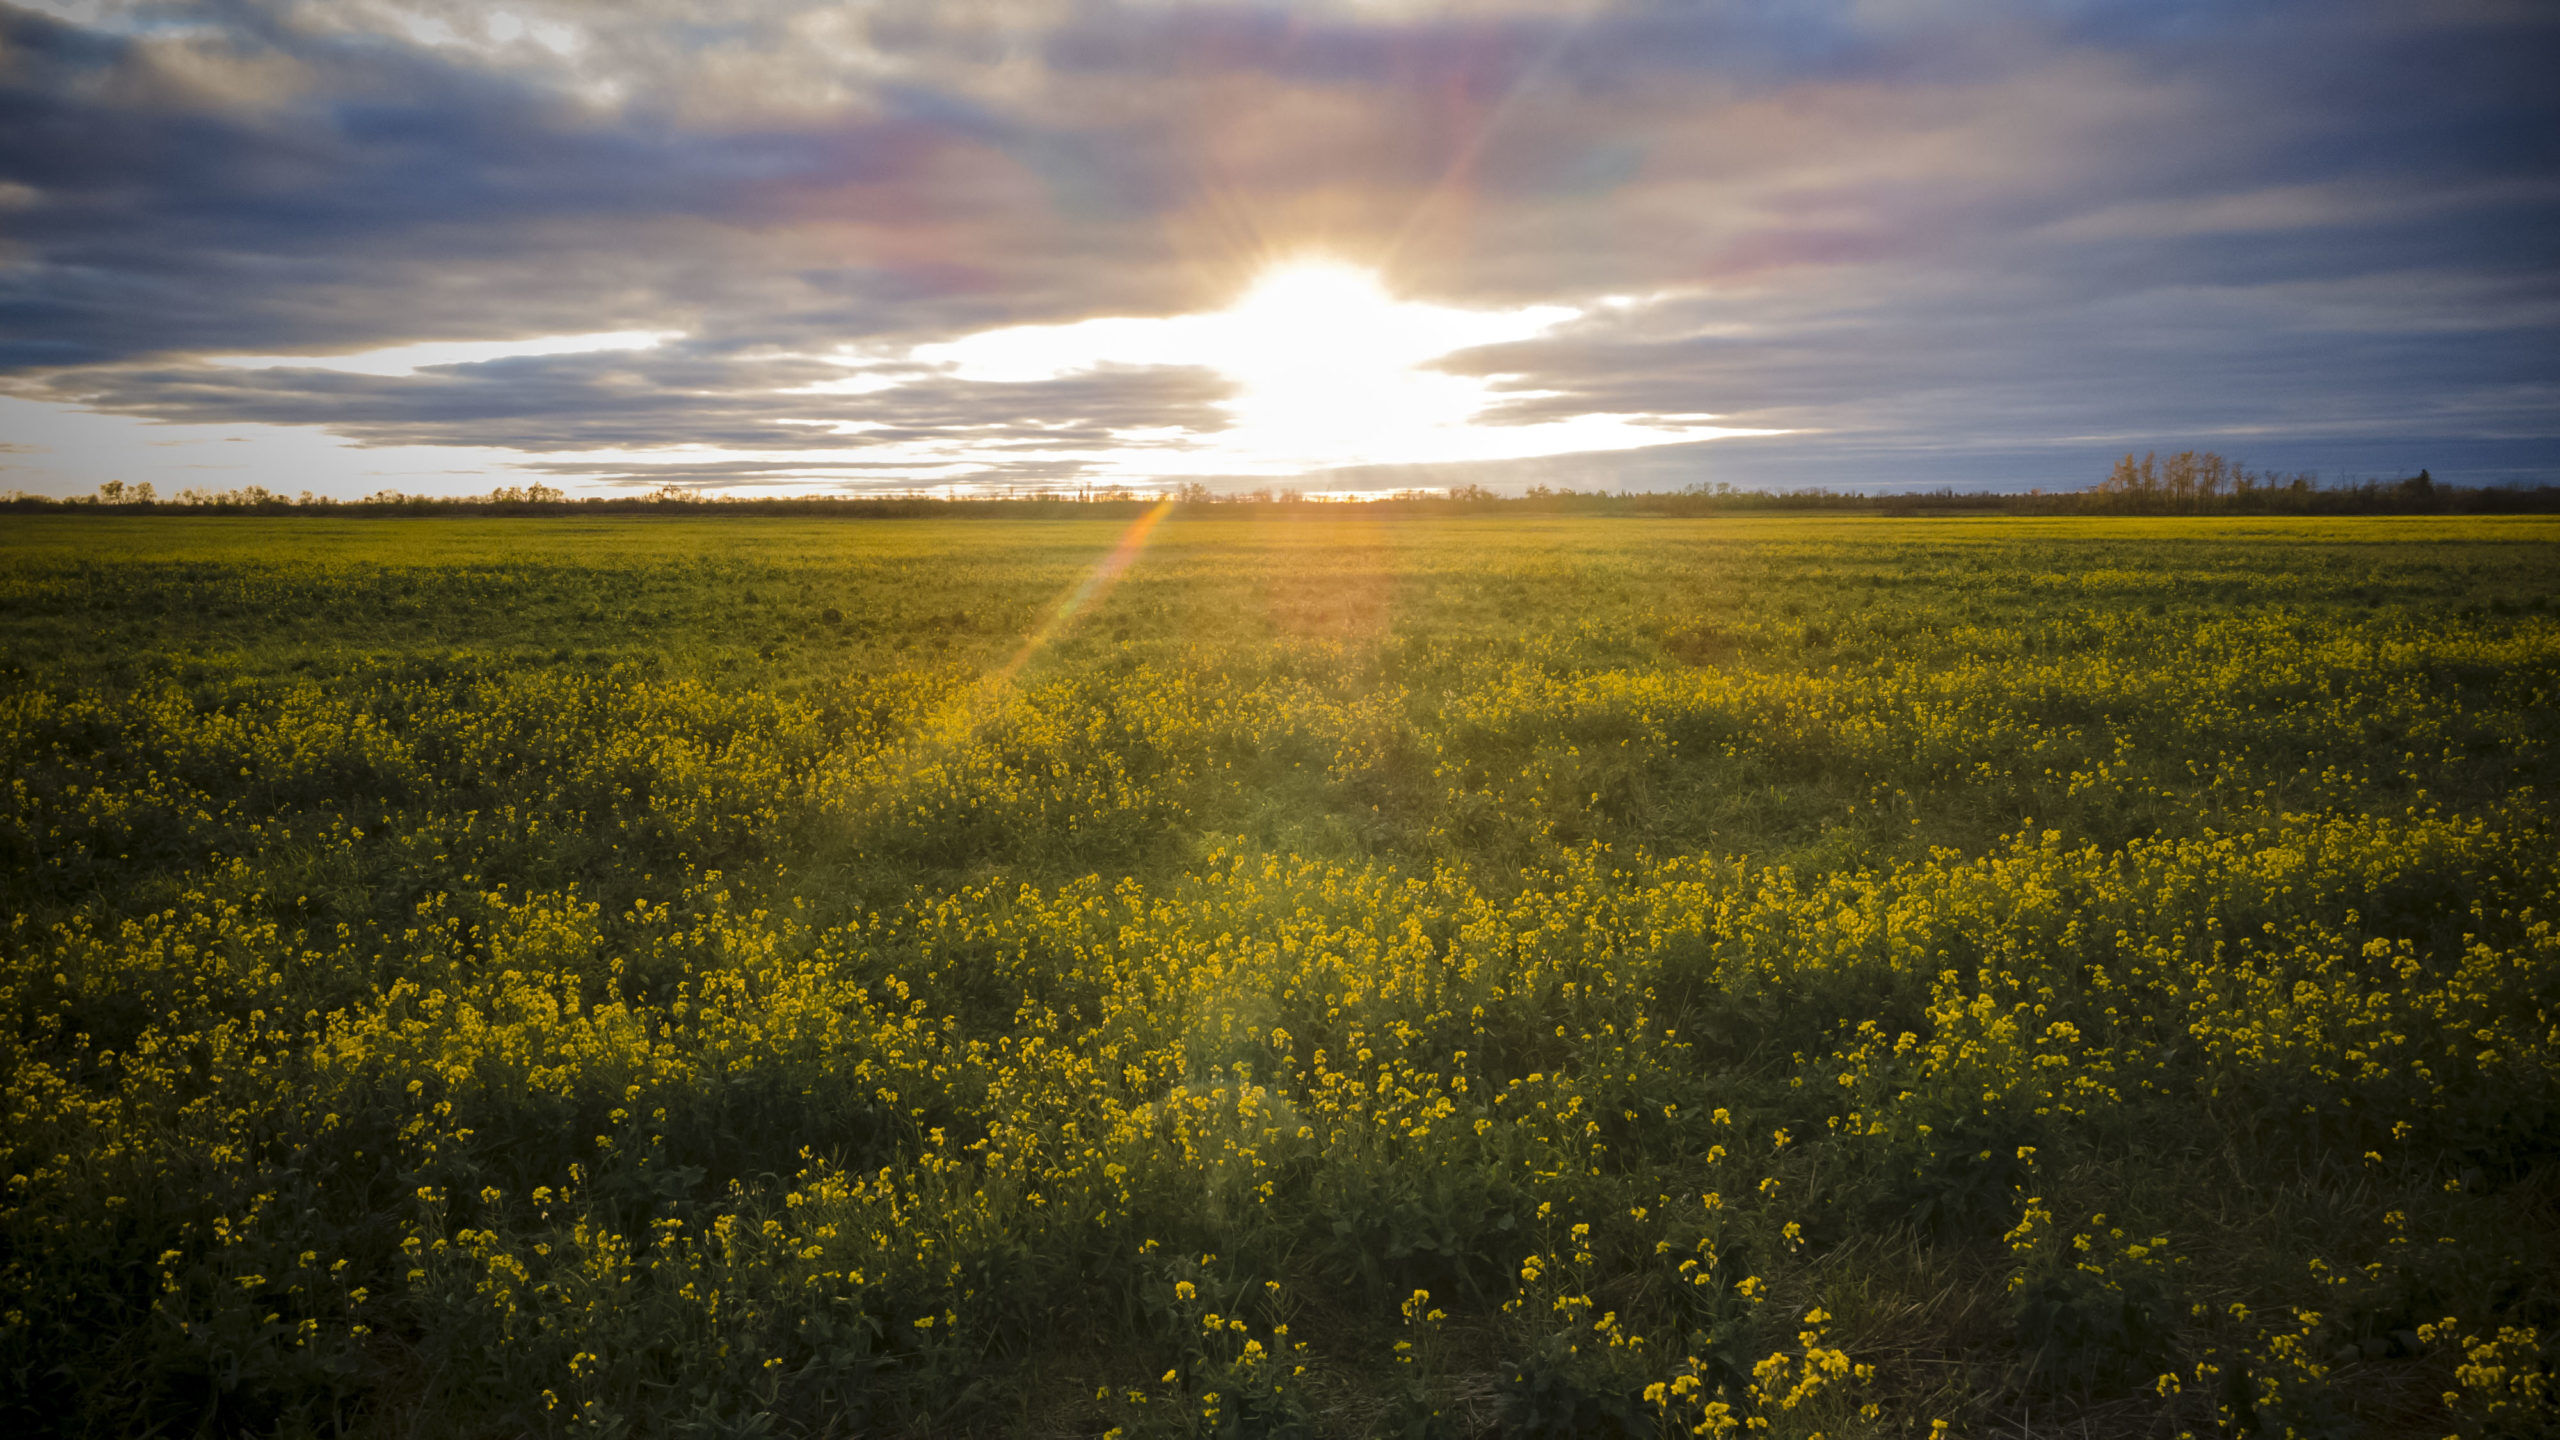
[1905, 231]
[431, 354]
[623, 400]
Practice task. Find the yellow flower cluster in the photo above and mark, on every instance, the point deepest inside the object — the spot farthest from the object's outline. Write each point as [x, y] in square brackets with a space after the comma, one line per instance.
[1590, 974]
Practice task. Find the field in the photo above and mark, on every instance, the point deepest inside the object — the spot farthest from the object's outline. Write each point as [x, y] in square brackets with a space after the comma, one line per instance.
[1314, 974]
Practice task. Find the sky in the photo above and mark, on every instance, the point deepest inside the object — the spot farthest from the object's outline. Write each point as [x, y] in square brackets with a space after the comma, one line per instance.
[986, 246]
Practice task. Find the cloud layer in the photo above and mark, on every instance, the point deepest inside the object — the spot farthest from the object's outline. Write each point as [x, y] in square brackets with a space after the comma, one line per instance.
[1933, 241]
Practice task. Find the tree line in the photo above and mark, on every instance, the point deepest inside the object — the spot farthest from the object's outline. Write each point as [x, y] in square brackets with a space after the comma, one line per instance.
[2190, 482]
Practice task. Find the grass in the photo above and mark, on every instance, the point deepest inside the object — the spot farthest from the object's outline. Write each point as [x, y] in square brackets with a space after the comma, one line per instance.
[1352, 975]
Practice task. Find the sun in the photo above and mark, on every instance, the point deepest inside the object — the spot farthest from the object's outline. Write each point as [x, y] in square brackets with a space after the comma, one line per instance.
[1314, 315]
[1329, 367]
[1328, 364]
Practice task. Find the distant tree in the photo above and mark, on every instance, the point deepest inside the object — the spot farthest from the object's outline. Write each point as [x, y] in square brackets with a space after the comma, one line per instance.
[2178, 478]
[2132, 484]
[2193, 480]
[2212, 473]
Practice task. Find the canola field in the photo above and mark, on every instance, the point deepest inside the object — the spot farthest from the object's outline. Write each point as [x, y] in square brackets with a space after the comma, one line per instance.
[1297, 973]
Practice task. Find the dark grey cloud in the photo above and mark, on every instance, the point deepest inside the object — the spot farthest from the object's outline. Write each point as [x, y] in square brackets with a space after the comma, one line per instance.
[618, 400]
[1918, 232]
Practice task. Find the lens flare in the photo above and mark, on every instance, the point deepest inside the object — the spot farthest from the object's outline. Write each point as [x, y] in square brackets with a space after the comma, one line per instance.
[972, 708]
[1096, 583]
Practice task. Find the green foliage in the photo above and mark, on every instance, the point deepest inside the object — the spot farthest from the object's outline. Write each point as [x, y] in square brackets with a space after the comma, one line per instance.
[1436, 976]
[1544, 1401]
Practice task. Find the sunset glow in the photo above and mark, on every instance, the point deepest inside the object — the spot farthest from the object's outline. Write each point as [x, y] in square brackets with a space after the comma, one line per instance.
[1329, 369]
[797, 247]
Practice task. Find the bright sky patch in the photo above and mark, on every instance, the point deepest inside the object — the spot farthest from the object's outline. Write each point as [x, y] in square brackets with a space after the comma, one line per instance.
[1330, 370]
